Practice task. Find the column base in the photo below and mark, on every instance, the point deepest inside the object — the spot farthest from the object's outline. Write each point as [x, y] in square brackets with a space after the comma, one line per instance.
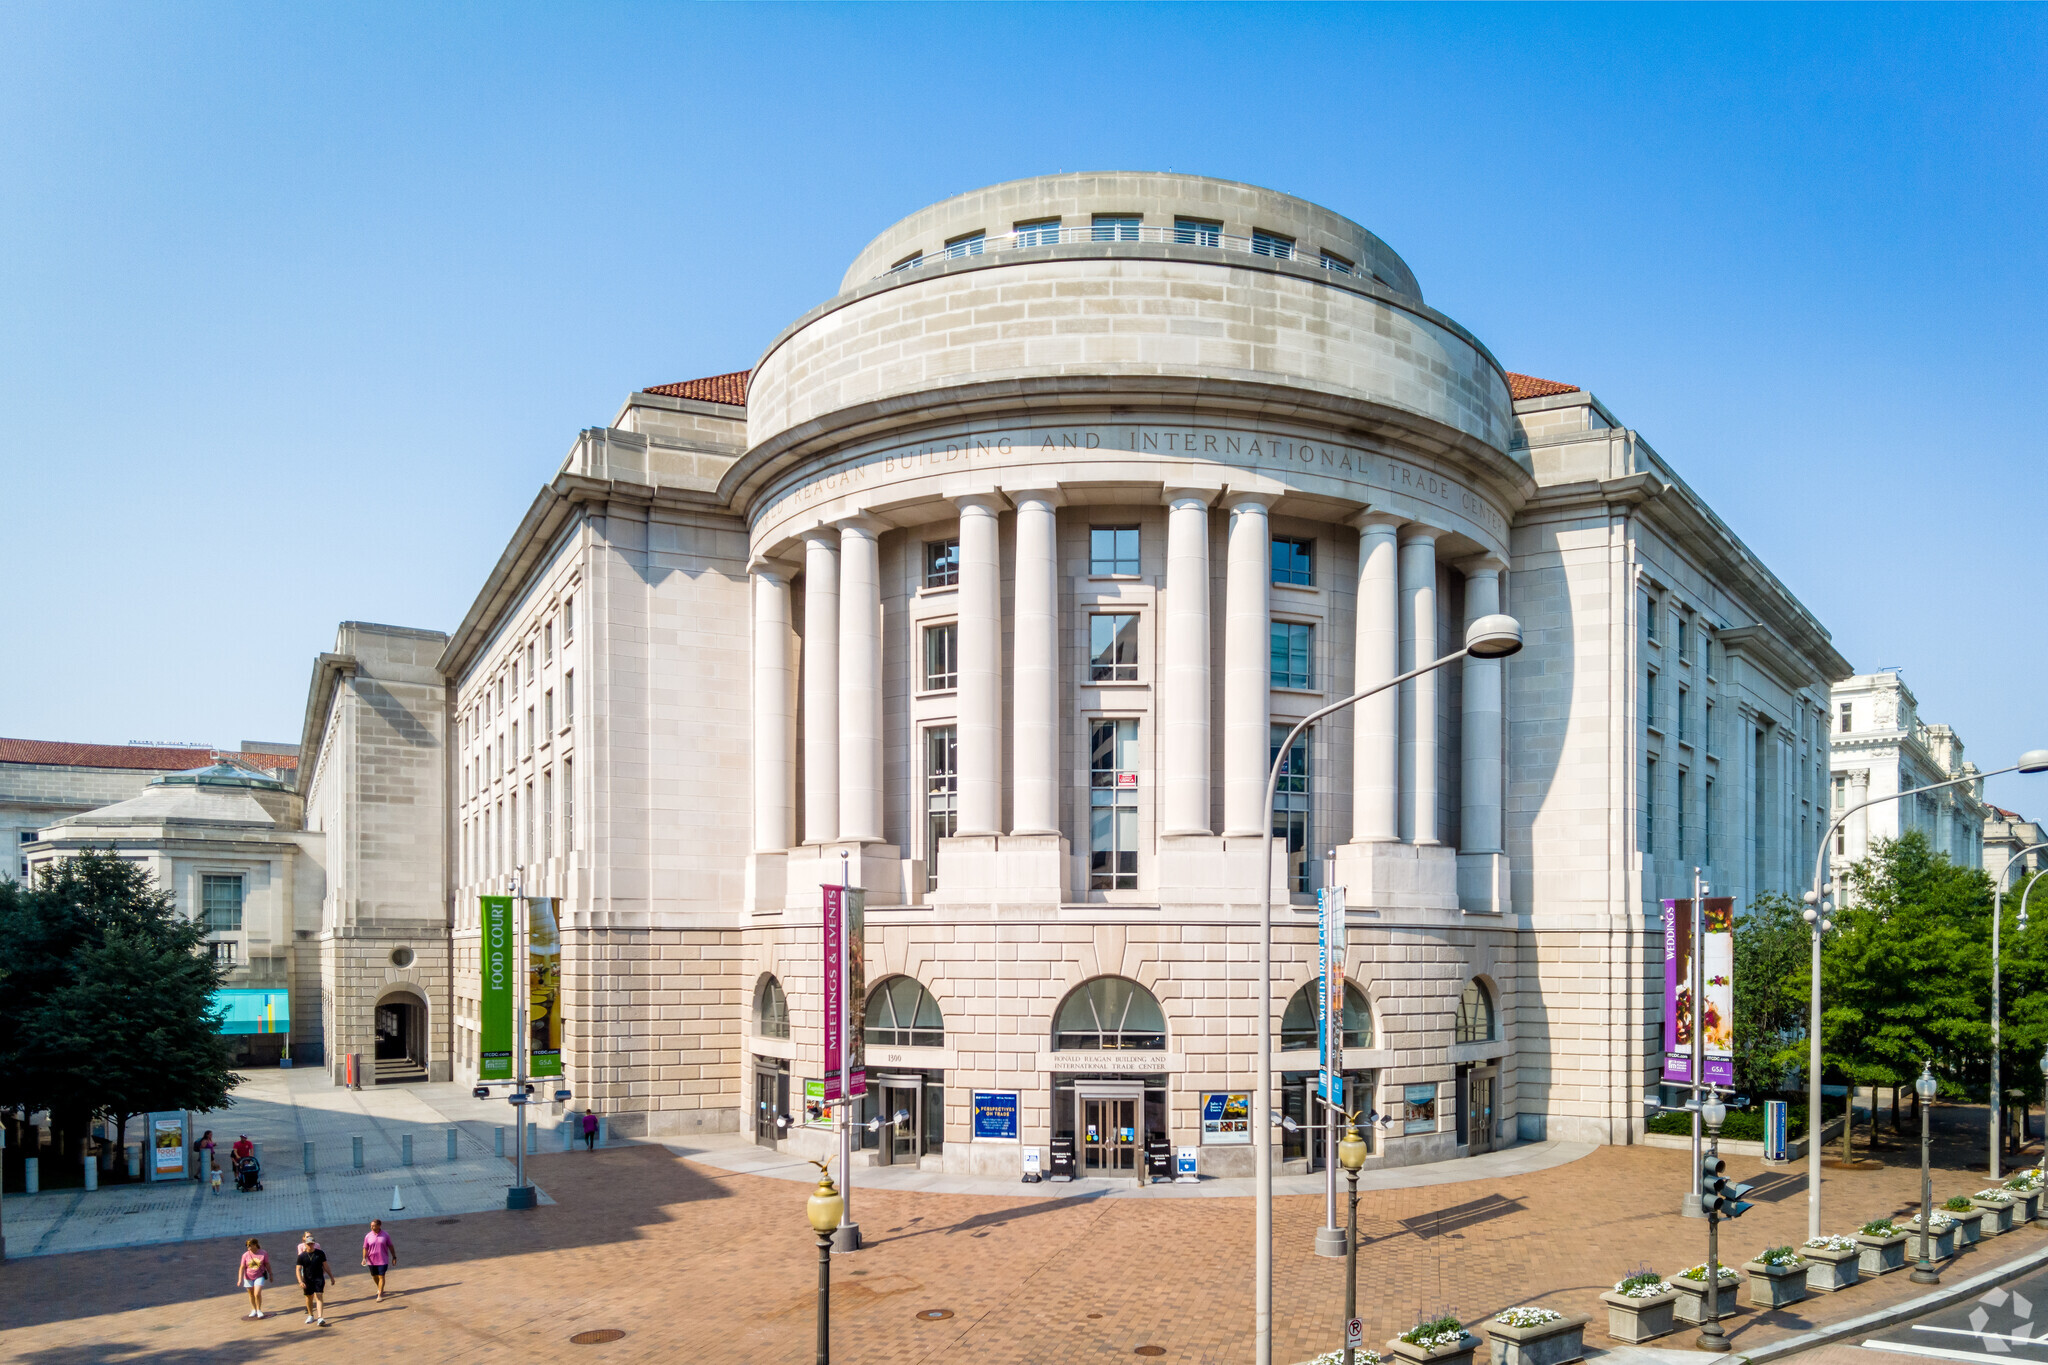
[1410, 876]
[1483, 883]
[1200, 869]
[1001, 871]
[878, 868]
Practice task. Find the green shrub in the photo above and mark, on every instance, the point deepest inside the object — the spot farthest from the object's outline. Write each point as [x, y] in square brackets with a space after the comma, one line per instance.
[1743, 1125]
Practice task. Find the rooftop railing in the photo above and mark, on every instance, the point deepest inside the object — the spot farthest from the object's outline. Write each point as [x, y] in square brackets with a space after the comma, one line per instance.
[1280, 248]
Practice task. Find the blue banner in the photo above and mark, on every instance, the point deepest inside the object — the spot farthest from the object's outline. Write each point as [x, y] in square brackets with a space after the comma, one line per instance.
[254, 1011]
[995, 1114]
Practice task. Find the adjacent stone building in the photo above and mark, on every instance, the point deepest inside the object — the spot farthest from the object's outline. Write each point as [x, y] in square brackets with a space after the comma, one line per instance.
[1881, 747]
[2006, 834]
[994, 583]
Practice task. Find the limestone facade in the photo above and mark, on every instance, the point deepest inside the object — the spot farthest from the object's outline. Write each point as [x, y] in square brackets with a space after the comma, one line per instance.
[1881, 747]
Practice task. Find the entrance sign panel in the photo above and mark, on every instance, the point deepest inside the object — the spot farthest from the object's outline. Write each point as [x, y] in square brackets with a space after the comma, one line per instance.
[995, 1115]
[543, 990]
[1226, 1119]
[845, 993]
[1717, 1011]
[494, 1007]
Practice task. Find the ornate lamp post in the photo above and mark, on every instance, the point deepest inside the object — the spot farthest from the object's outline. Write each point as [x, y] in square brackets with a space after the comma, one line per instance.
[824, 1208]
[1714, 1113]
[1351, 1156]
[1925, 1088]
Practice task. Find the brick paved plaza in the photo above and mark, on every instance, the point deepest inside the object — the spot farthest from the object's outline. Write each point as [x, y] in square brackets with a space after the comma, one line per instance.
[696, 1264]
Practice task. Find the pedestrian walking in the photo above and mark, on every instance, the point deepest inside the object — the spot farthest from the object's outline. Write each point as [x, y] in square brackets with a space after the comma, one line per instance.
[253, 1275]
[313, 1272]
[378, 1254]
[202, 1154]
[216, 1177]
[590, 1130]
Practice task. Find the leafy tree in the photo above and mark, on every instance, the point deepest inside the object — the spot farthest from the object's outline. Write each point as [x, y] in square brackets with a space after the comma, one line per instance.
[1772, 948]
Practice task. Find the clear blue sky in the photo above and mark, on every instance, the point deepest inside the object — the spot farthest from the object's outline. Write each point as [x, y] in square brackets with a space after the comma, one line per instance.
[302, 304]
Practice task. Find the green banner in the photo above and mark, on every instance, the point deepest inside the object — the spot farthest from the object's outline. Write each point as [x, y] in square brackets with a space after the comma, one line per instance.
[543, 989]
[494, 1014]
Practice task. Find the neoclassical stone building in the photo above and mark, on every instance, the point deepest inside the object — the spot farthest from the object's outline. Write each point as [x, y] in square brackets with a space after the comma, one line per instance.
[1881, 747]
[995, 581]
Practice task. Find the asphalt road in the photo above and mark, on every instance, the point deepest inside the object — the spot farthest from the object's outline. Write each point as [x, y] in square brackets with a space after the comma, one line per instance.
[2007, 1324]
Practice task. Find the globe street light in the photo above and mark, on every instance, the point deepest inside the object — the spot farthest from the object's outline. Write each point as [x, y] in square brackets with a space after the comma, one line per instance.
[1489, 637]
[1351, 1156]
[824, 1208]
[1925, 1088]
[2032, 761]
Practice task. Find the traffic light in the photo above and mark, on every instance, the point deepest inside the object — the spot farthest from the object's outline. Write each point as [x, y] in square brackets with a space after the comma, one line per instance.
[1720, 1196]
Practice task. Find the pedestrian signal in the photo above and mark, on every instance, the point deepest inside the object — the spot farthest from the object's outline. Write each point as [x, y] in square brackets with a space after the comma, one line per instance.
[1720, 1197]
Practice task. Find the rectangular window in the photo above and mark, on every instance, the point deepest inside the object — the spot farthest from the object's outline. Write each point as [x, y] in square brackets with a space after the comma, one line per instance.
[529, 732]
[547, 641]
[568, 619]
[1684, 701]
[1841, 789]
[1336, 264]
[515, 677]
[1113, 648]
[512, 845]
[1039, 232]
[1272, 244]
[1112, 549]
[942, 656]
[1651, 611]
[1650, 807]
[568, 700]
[971, 244]
[942, 563]
[1197, 232]
[531, 675]
[1707, 653]
[1294, 561]
[1684, 639]
[1291, 806]
[1707, 730]
[1113, 806]
[941, 795]
[223, 952]
[568, 806]
[1117, 227]
[1293, 654]
[547, 814]
[1650, 698]
[547, 708]
[1848, 717]
[513, 752]
[1684, 811]
[1707, 819]
[220, 903]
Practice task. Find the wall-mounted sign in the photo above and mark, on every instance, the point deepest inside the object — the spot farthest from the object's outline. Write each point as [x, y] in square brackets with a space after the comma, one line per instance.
[1421, 1103]
[995, 1115]
[1226, 1119]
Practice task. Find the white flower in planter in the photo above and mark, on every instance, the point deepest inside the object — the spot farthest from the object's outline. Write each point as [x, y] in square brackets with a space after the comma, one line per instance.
[1528, 1317]
[1994, 1195]
[1358, 1353]
[1646, 1285]
[1830, 1242]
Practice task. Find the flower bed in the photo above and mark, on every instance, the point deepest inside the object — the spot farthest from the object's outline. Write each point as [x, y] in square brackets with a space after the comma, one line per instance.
[1691, 1284]
[1941, 1236]
[2026, 1190]
[1527, 1317]
[1642, 1307]
[1997, 1206]
[1831, 1263]
[1647, 1284]
[1536, 1336]
[1969, 1220]
[1777, 1278]
[1359, 1354]
[1442, 1341]
[1882, 1246]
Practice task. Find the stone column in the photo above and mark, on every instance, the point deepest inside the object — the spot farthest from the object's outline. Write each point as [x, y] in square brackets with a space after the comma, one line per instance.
[1481, 768]
[1247, 668]
[981, 666]
[774, 723]
[860, 680]
[1375, 742]
[1184, 709]
[1035, 691]
[1418, 698]
[821, 687]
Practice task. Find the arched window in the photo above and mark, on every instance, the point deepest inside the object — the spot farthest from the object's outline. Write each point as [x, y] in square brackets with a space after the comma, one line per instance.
[771, 1010]
[902, 1013]
[1298, 1024]
[1475, 1015]
[1109, 1013]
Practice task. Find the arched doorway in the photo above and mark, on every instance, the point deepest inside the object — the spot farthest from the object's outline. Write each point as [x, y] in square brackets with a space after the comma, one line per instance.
[399, 1026]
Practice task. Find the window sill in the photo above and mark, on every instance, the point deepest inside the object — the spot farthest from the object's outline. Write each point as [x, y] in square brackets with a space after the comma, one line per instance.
[1140, 686]
[939, 590]
[1306, 589]
[1298, 691]
[1116, 578]
[936, 692]
[1654, 728]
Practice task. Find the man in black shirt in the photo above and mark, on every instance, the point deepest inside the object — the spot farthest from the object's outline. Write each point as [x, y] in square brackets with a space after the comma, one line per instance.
[313, 1273]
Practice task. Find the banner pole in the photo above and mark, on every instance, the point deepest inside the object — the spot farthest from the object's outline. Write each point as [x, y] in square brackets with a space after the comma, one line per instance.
[847, 1238]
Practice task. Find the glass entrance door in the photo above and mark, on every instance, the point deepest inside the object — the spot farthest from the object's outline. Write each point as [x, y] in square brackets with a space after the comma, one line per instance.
[901, 1143]
[1312, 1117]
[1479, 1114]
[771, 1101]
[1109, 1136]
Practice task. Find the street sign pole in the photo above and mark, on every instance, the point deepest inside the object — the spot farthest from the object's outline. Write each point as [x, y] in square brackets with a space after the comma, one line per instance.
[1330, 1238]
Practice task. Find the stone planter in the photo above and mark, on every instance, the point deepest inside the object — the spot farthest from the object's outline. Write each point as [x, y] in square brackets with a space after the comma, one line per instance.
[1461, 1354]
[1940, 1245]
[2025, 1207]
[1880, 1255]
[1692, 1299]
[1969, 1227]
[1997, 1217]
[1640, 1320]
[1828, 1271]
[1774, 1286]
[1553, 1343]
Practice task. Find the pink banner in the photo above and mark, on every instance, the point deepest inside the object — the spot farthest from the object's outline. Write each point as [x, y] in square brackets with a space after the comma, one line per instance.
[845, 972]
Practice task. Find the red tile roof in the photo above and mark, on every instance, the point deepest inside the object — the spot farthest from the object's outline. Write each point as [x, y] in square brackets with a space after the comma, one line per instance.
[132, 756]
[1529, 386]
[729, 389]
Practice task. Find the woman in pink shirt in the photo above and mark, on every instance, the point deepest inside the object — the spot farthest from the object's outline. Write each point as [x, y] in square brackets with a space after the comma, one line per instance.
[378, 1254]
[253, 1274]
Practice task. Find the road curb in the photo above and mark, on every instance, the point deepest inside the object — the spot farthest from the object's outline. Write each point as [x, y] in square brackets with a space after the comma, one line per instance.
[1944, 1297]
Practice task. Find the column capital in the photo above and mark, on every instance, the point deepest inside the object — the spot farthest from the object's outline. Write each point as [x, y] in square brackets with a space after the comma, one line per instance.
[1239, 498]
[1372, 517]
[1175, 495]
[821, 535]
[861, 523]
[1021, 493]
[992, 503]
[762, 566]
[1481, 564]
[1415, 532]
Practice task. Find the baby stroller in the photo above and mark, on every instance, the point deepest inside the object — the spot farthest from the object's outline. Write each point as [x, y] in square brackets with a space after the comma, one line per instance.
[248, 1175]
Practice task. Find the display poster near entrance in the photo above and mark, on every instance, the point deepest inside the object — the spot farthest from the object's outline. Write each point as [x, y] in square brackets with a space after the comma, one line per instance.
[1420, 1101]
[167, 1142]
[845, 992]
[1330, 961]
[1717, 1002]
[494, 1007]
[543, 989]
[995, 1115]
[1226, 1119]
[815, 1113]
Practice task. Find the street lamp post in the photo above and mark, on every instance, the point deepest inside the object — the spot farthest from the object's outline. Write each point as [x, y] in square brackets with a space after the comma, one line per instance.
[1711, 1337]
[2043, 1163]
[1925, 1088]
[1997, 1017]
[824, 1209]
[2032, 761]
[1489, 637]
[1351, 1156]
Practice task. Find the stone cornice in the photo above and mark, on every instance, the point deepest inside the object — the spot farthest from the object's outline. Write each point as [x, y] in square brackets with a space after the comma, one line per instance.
[328, 671]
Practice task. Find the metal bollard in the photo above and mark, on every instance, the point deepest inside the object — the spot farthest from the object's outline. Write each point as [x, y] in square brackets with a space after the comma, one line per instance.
[32, 1174]
[256, 1150]
[501, 1139]
[603, 1130]
[568, 1135]
[92, 1172]
[405, 1149]
[309, 1158]
[451, 1144]
[134, 1154]
[532, 1138]
[355, 1146]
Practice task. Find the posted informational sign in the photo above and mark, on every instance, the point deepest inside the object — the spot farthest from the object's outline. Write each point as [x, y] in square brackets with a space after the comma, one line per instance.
[1185, 1160]
[1777, 1137]
[167, 1144]
[1717, 1009]
[1420, 1101]
[254, 1010]
[846, 993]
[543, 989]
[815, 1113]
[1354, 1332]
[1226, 1119]
[1034, 1163]
[995, 1115]
[1330, 980]
[494, 1008]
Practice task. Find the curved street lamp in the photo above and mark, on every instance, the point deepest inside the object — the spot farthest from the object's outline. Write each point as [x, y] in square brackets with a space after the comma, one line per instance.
[1488, 637]
[2032, 761]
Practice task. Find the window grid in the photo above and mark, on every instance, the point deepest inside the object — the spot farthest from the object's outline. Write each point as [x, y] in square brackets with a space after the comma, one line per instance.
[942, 656]
[220, 901]
[942, 563]
[1293, 654]
[1116, 227]
[1197, 232]
[970, 245]
[1039, 232]
[1650, 807]
[941, 794]
[1113, 550]
[1475, 1015]
[1294, 561]
[1113, 648]
[1113, 806]
[1291, 807]
[1272, 244]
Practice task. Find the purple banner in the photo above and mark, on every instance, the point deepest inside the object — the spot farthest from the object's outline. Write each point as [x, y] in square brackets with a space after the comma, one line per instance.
[845, 983]
[1717, 1013]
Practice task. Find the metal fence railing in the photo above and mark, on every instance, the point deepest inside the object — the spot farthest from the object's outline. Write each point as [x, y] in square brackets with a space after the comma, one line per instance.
[1093, 233]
